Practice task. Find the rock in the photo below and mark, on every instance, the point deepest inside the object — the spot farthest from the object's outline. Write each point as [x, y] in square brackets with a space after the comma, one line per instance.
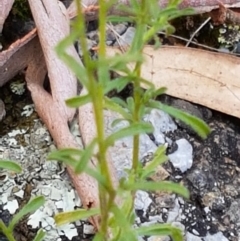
[126, 38]
[215, 237]
[191, 237]
[201, 180]
[162, 123]
[114, 31]
[142, 201]
[189, 108]
[182, 158]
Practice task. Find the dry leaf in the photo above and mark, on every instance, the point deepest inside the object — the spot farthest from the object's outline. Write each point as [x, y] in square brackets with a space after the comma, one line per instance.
[202, 77]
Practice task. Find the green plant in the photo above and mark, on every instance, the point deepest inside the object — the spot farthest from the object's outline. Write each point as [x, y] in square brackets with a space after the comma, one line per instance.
[117, 221]
[30, 207]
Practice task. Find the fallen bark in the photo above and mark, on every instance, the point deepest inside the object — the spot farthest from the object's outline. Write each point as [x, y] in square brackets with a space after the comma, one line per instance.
[18, 56]
[51, 107]
[199, 6]
[202, 77]
[5, 7]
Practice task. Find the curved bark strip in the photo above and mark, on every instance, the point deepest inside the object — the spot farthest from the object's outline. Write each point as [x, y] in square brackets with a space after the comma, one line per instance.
[211, 79]
[5, 7]
[18, 56]
[200, 6]
[52, 27]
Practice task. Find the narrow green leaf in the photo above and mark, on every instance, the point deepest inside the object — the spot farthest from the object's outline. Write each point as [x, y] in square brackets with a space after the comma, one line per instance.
[199, 126]
[146, 83]
[85, 157]
[98, 237]
[69, 156]
[117, 84]
[68, 217]
[177, 235]
[130, 104]
[34, 204]
[158, 186]
[124, 224]
[160, 230]
[120, 62]
[119, 120]
[40, 235]
[118, 19]
[159, 91]
[132, 130]
[10, 165]
[6, 231]
[78, 101]
[65, 152]
[158, 159]
[119, 101]
[112, 105]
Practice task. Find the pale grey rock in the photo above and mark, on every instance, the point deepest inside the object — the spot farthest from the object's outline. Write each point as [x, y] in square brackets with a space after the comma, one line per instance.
[88, 229]
[195, 231]
[215, 237]
[174, 214]
[182, 158]
[166, 201]
[192, 237]
[142, 201]
[67, 230]
[11, 206]
[162, 123]
[127, 38]
[120, 28]
[90, 45]
[121, 152]
[156, 218]
[114, 32]
[233, 212]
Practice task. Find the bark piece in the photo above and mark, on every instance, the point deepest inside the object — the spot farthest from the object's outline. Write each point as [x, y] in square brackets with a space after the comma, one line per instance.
[53, 26]
[199, 6]
[5, 7]
[202, 77]
[225, 15]
[18, 56]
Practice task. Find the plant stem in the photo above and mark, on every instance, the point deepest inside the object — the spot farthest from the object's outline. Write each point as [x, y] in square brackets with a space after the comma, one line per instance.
[6, 231]
[106, 198]
[137, 92]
